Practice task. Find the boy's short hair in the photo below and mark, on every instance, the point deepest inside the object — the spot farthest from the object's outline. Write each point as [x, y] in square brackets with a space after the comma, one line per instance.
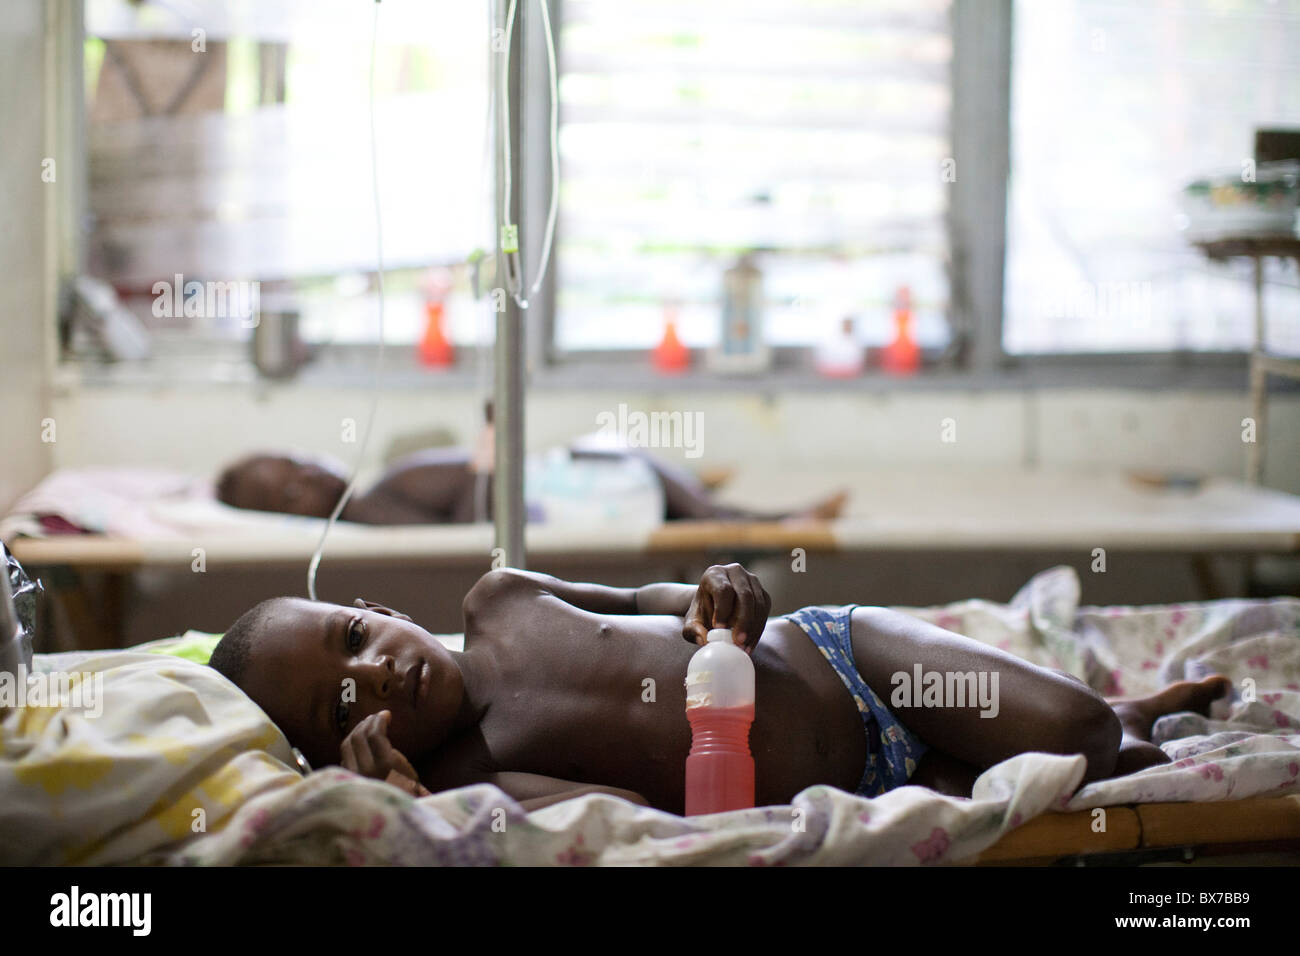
[225, 488]
[230, 656]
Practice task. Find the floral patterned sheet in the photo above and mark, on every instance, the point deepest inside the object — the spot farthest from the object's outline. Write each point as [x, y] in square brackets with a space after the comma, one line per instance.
[1246, 748]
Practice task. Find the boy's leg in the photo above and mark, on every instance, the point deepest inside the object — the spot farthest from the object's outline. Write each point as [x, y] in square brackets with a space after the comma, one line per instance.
[946, 774]
[686, 498]
[1136, 716]
[1036, 709]
[1136, 751]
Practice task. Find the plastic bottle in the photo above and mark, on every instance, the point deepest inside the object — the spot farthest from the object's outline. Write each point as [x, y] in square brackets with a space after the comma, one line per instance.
[840, 356]
[741, 347]
[720, 708]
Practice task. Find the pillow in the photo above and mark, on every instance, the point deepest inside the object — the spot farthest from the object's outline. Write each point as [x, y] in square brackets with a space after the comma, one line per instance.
[153, 751]
[196, 646]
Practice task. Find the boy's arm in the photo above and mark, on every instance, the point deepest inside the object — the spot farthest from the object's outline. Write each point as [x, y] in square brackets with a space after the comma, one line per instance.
[376, 508]
[665, 597]
[533, 791]
[727, 596]
[433, 482]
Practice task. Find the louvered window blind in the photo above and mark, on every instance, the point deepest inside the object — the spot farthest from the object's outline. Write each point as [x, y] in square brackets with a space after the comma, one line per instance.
[813, 132]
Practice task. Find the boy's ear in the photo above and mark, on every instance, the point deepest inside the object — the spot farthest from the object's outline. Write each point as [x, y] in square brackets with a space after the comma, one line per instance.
[380, 609]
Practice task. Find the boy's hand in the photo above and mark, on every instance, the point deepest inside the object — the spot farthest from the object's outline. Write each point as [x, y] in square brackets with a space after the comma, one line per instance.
[728, 596]
[366, 750]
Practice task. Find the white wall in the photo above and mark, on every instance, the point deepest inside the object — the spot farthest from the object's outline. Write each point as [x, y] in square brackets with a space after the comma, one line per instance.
[202, 427]
[26, 251]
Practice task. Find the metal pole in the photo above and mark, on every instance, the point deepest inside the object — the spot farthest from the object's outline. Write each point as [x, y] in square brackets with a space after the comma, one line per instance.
[977, 197]
[508, 402]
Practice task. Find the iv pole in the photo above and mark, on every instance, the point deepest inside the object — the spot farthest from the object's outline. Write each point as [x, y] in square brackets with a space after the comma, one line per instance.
[508, 387]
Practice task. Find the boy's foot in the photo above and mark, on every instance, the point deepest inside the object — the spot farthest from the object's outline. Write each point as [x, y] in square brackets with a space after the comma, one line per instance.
[715, 477]
[1137, 714]
[828, 509]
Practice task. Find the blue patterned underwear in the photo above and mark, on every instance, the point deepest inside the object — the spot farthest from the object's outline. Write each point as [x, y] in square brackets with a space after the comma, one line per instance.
[892, 750]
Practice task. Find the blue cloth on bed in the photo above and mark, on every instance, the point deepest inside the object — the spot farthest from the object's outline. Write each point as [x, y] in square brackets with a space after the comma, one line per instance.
[892, 750]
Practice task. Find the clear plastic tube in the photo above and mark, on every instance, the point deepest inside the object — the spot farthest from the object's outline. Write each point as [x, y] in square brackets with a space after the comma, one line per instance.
[379, 359]
[515, 279]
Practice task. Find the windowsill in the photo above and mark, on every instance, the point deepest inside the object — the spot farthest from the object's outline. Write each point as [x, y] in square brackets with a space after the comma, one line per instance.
[355, 369]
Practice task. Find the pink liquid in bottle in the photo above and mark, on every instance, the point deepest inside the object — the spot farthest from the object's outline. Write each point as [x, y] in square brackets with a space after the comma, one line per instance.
[720, 769]
[720, 709]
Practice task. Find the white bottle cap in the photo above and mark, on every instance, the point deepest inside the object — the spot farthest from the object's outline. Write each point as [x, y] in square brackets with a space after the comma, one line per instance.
[720, 674]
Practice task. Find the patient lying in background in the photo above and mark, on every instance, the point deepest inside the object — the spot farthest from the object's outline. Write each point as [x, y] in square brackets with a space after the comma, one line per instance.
[549, 699]
[449, 486]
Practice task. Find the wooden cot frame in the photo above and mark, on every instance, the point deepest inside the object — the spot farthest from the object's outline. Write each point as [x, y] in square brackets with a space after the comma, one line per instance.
[1153, 833]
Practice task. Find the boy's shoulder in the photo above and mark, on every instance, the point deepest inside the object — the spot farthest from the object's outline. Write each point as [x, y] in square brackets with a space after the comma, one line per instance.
[493, 593]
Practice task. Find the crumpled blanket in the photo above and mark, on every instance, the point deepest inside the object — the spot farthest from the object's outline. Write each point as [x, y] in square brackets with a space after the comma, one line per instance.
[1246, 748]
[105, 500]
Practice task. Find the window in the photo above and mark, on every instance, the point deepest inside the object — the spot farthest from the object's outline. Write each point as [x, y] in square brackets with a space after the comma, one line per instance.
[1115, 108]
[812, 133]
[231, 143]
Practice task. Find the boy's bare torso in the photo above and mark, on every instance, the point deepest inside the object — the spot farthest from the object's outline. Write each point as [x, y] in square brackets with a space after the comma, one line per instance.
[599, 699]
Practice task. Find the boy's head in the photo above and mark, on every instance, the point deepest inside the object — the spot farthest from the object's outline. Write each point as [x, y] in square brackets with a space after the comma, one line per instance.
[282, 483]
[320, 669]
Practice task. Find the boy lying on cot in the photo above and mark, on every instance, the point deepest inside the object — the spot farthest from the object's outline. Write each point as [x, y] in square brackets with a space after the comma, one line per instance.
[549, 698]
[443, 486]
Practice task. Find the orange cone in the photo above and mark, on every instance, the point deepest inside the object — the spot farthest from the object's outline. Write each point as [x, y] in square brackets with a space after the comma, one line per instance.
[902, 356]
[670, 355]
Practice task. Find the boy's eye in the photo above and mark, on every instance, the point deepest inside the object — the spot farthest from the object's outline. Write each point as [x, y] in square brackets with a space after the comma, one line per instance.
[356, 634]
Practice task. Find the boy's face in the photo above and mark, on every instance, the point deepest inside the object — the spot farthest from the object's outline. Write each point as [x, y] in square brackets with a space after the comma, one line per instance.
[320, 669]
[284, 484]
